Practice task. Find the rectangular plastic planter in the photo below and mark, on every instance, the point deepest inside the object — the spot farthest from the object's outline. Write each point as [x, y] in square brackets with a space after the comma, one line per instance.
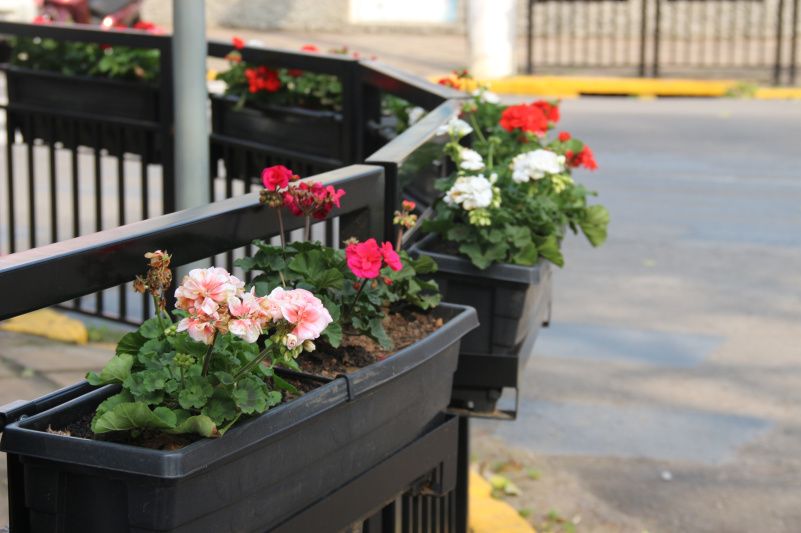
[512, 302]
[84, 110]
[309, 131]
[259, 474]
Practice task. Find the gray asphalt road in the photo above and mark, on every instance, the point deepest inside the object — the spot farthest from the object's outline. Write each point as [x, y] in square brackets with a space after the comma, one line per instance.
[668, 390]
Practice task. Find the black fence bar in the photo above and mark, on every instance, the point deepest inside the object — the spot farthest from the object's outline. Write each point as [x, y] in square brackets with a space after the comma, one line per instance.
[736, 39]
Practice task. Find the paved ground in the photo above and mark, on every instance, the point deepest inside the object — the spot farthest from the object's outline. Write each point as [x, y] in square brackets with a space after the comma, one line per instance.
[665, 395]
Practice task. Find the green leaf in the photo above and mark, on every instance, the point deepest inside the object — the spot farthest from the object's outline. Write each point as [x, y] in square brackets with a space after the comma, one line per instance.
[151, 328]
[378, 332]
[250, 395]
[310, 264]
[527, 255]
[220, 408]
[328, 279]
[225, 378]
[333, 334]
[130, 343]
[196, 392]
[199, 424]
[594, 224]
[112, 401]
[115, 371]
[424, 265]
[550, 251]
[130, 415]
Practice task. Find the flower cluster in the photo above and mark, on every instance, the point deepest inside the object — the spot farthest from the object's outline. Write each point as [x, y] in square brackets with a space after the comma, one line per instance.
[262, 79]
[405, 217]
[217, 303]
[470, 192]
[527, 118]
[366, 259]
[315, 200]
[536, 164]
[455, 128]
[158, 279]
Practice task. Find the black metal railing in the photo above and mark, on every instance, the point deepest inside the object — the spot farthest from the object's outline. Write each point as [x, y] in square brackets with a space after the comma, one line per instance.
[741, 39]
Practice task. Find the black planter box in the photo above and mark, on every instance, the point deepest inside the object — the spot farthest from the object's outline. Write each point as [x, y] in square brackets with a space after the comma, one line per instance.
[114, 115]
[512, 302]
[308, 131]
[258, 475]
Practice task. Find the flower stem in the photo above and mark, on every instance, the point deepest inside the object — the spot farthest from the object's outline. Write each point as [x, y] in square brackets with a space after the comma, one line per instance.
[307, 232]
[281, 227]
[356, 298]
[157, 304]
[478, 131]
[207, 358]
[399, 241]
[250, 365]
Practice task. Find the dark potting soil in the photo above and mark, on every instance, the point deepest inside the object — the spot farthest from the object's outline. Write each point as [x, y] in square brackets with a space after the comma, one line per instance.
[357, 351]
[157, 440]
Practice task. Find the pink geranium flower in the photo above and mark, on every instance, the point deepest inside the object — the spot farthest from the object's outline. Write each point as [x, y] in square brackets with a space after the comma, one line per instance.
[200, 328]
[364, 259]
[277, 177]
[246, 316]
[204, 284]
[303, 310]
[391, 256]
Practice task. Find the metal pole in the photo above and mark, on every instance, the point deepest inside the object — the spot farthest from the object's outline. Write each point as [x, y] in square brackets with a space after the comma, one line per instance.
[189, 97]
[777, 65]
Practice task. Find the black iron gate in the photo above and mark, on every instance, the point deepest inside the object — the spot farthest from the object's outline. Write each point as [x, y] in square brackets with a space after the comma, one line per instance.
[740, 39]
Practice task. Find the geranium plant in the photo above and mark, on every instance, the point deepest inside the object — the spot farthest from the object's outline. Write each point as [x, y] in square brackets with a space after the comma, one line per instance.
[512, 193]
[201, 374]
[261, 85]
[357, 284]
[88, 59]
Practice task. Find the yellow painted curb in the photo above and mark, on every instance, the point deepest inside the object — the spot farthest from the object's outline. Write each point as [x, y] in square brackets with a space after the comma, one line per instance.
[572, 86]
[488, 515]
[50, 324]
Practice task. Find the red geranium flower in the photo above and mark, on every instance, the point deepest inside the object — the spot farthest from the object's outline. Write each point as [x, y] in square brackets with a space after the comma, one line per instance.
[448, 82]
[564, 136]
[238, 43]
[262, 79]
[584, 158]
[309, 48]
[524, 117]
[550, 111]
[312, 200]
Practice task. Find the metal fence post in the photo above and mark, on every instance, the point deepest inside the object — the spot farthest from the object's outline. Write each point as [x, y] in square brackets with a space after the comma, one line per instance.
[643, 37]
[777, 65]
[530, 37]
[794, 45]
[657, 38]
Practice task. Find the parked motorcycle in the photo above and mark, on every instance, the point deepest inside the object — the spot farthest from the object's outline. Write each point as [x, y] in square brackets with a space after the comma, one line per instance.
[106, 13]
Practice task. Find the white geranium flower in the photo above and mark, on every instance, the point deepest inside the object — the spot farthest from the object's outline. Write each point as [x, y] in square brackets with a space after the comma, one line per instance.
[471, 192]
[455, 127]
[414, 114]
[536, 164]
[470, 160]
[487, 96]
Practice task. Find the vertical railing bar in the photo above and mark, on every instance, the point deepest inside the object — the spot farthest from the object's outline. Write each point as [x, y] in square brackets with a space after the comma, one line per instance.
[76, 192]
[51, 122]
[123, 289]
[10, 142]
[794, 46]
[777, 65]
[98, 201]
[530, 37]
[31, 183]
[657, 39]
[643, 37]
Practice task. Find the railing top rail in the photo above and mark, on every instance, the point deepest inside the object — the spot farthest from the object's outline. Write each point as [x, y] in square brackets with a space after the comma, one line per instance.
[52, 274]
[404, 145]
[88, 33]
[413, 88]
[278, 58]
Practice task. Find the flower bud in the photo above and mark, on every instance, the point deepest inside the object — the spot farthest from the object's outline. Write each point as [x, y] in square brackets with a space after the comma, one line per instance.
[290, 341]
[309, 346]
